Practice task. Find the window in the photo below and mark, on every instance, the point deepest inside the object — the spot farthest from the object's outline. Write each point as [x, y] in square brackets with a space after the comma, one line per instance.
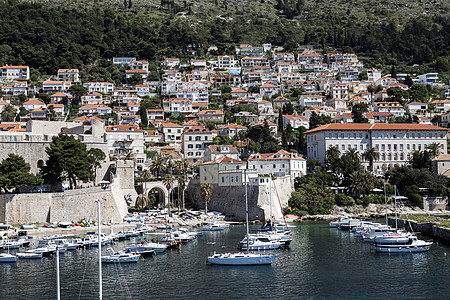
[389, 147]
[198, 138]
[237, 178]
[401, 147]
[274, 166]
[407, 146]
[190, 138]
[389, 156]
[261, 166]
[206, 138]
[204, 178]
[377, 147]
[197, 153]
[395, 147]
[223, 179]
[382, 147]
[401, 156]
[383, 156]
[414, 147]
[343, 147]
[190, 153]
[198, 146]
[190, 146]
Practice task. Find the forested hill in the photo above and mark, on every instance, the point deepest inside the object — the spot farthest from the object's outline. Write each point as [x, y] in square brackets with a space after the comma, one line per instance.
[61, 33]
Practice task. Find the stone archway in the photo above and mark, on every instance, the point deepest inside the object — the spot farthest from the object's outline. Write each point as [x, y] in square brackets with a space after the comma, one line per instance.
[159, 194]
[163, 193]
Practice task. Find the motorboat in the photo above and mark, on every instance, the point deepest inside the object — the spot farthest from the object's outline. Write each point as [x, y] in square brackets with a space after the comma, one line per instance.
[10, 244]
[120, 257]
[216, 226]
[7, 258]
[335, 224]
[349, 224]
[29, 255]
[157, 248]
[66, 244]
[259, 243]
[392, 238]
[241, 259]
[412, 245]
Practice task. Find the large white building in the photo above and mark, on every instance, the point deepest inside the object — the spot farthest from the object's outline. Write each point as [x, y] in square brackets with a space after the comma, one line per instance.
[394, 142]
[279, 164]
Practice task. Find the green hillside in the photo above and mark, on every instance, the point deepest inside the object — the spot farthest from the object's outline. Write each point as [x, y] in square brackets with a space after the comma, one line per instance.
[54, 34]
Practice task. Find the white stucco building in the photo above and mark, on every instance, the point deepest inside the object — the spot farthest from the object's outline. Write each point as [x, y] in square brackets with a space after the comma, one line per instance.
[394, 142]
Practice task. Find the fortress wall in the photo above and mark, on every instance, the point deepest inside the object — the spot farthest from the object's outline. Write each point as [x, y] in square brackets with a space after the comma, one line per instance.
[71, 205]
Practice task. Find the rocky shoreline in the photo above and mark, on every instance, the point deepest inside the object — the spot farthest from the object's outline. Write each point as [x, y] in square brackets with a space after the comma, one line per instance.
[371, 211]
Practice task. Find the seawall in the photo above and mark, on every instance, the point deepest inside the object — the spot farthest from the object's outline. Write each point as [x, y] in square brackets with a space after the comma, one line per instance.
[70, 205]
[429, 228]
[231, 199]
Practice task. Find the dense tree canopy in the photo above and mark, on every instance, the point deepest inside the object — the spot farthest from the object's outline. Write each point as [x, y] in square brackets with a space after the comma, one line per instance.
[15, 173]
[47, 37]
[70, 160]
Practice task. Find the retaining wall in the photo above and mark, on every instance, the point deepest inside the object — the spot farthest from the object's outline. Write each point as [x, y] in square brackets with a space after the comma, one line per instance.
[71, 205]
[231, 200]
[431, 229]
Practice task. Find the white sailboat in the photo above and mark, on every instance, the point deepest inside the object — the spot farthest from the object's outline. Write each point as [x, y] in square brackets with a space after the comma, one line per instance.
[240, 258]
[6, 257]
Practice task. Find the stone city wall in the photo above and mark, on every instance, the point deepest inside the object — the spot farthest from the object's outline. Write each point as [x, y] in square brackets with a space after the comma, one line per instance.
[71, 205]
[231, 200]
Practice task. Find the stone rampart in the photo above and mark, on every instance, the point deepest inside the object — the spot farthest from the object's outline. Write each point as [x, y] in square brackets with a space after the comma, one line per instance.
[70, 205]
[231, 200]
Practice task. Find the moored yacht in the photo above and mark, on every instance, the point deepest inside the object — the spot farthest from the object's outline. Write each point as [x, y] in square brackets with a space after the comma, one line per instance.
[240, 259]
[412, 245]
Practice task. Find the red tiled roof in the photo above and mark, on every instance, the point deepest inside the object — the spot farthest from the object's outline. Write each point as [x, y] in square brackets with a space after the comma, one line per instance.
[376, 126]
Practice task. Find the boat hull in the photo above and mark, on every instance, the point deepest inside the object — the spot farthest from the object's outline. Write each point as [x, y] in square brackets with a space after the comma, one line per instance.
[243, 260]
[402, 248]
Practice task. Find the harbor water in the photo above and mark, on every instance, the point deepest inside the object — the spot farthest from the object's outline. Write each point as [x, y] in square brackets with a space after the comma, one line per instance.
[321, 263]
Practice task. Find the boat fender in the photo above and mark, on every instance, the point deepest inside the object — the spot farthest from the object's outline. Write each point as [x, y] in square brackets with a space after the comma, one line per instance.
[289, 257]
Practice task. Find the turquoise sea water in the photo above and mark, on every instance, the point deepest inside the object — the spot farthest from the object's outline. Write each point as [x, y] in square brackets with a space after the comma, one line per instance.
[321, 263]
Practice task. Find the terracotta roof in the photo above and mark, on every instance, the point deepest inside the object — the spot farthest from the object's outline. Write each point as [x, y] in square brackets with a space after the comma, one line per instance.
[232, 125]
[376, 126]
[238, 91]
[34, 101]
[283, 154]
[227, 159]
[169, 124]
[85, 118]
[59, 94]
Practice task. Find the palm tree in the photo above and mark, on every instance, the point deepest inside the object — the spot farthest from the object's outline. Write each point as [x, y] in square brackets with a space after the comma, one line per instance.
[370, 155]
[157, 166]
[206, 190]
[146, 174]
[182, 180]
[168, 181]
[182, 167]
[435, 149]
[142, 201]
[361, 182]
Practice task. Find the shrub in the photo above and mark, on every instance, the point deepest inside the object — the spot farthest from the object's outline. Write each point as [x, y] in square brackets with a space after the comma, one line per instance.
[376, 199]
[341, 199]
[416, 199]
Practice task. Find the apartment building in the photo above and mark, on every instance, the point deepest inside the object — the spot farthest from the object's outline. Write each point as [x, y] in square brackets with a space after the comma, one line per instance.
[195, 140]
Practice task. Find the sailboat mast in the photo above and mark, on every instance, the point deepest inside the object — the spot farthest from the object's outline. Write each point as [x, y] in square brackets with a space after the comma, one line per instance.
[246, 209]
[100, 288]
[395, 203]
[58, 286]
[385, 202]
[270, 187]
